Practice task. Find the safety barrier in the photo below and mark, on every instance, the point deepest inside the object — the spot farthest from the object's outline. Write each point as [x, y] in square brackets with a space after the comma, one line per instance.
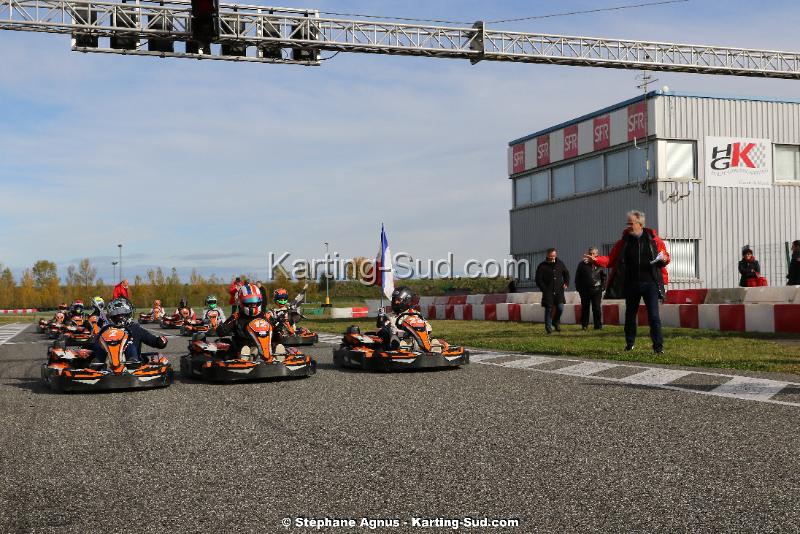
[753, 309]
[19, 311]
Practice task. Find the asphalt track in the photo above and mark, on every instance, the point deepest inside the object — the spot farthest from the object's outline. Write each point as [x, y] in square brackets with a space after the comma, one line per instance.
[560, 453]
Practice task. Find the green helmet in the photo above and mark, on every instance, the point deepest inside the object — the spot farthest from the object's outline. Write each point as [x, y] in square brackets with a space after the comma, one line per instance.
[211, 301]
[98, 303]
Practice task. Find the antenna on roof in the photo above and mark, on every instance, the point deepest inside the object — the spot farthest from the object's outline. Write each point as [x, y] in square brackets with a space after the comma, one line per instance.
[646, 80]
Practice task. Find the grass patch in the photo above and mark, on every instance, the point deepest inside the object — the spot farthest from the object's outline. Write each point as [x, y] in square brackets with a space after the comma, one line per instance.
[682, 346]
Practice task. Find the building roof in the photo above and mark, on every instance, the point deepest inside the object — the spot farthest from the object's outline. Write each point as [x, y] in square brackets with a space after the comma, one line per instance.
[651, 94]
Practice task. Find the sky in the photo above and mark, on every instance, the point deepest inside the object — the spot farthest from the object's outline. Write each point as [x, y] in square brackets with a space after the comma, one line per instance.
[211, 165]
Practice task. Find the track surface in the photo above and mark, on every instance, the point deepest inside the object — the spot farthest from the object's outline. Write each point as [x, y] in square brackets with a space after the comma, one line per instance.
[560, 453]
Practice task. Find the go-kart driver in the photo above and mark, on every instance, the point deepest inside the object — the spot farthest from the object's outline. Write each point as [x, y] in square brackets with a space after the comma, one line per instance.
[76, 312]
[184, 305]
[119, 312]
[393, 337]
[157, 311]
[250, 306]
[99, 311]
[211, 305]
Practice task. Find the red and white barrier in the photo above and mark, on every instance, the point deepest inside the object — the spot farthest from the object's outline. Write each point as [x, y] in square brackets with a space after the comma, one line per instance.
[19, 311]
[350, 313]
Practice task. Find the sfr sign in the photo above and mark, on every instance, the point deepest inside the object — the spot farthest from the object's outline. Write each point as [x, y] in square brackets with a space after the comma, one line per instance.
[637, 121]
[601, 131]
[543, 150]
[518, 158]
[571, 141]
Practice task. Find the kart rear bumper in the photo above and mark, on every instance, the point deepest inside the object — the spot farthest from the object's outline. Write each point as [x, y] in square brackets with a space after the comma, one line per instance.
[61, 383]
[196, 368]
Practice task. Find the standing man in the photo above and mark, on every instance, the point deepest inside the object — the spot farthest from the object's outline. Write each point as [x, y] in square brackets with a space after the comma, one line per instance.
[233, 290]
[794, 265]
[590, 279]
[552, 278]
[121, 290]
[638, 271]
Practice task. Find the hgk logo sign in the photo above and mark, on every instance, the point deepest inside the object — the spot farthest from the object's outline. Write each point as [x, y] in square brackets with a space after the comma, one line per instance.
[518, 158]
[736, 154]
[571, 141]
[543, 150]
[637, 121]
[601, 128]
[737, 162]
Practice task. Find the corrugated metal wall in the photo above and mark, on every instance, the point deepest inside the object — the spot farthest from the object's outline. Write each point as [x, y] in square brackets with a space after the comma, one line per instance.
[572, 226]
[726, 218]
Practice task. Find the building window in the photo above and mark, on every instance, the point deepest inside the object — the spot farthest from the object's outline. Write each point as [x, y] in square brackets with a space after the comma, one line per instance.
[617, 168]
[522, 191]
[682, 259]
[640, 163]
[589, 175]
[563, 181]
[787, 163]
[680, 160]
[541, 186]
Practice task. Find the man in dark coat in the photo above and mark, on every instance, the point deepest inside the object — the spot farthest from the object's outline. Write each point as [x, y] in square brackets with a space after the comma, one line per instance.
[638, 265]
[590, 279]
[552, 278]
[794, 266]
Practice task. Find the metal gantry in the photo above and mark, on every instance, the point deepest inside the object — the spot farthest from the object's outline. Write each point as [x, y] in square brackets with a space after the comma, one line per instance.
[285, 35]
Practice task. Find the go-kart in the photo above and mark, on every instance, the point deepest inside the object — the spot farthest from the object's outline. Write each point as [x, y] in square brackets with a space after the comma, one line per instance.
[146, 318]
[285, 321]
[56, 327]
[288, 332]
[77, 331]
[206, 326]
[412, 350]
[43, 325]
[217, 362]
[76, 370]
[174, 321]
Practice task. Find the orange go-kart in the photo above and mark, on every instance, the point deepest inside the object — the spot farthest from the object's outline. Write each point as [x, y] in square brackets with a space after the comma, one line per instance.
[147, 318]
[76, 369]
[43, 327]
[288, 332]
[56, 326]
[414, 349]
[77, 331]
[201, 326]
[176, 320]
[217, 362]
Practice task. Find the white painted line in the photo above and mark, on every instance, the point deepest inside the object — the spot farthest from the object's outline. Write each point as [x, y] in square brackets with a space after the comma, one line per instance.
[752, 388]
[528, 361]
[482, 357]
[585, 368]
[7, 332]
[655, 377]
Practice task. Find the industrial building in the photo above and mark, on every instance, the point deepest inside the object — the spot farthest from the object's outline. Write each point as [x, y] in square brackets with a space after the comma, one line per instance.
[711, 173]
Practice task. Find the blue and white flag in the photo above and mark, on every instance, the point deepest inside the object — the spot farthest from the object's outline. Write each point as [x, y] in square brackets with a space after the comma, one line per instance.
[383, 267]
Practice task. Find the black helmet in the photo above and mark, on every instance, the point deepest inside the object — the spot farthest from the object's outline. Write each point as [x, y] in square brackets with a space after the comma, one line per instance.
[76, 308]
[401, 299]
[182, 304]
[119, 312]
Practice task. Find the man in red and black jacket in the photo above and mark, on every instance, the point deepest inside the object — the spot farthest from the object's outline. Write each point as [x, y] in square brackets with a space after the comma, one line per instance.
[638, 271]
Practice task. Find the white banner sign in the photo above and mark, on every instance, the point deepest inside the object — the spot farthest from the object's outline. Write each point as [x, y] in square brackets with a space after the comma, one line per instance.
[738, 162]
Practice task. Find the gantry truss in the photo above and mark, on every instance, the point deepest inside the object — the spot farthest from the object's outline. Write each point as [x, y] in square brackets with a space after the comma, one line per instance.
[284, 35]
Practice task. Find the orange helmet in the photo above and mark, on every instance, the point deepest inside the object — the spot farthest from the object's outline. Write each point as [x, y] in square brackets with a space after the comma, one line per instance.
[249, 297]
[156, 303]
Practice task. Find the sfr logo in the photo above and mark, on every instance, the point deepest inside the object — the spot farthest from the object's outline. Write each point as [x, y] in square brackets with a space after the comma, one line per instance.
[543, 150]
[602, 132]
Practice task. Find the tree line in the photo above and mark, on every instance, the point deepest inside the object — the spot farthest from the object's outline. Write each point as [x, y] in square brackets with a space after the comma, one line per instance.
[41, 287]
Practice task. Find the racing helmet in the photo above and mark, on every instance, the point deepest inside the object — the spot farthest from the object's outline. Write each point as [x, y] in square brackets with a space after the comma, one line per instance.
[280, 296]
[76, 308]
[63, 307]
[211, 302]
[249, 297]
[183, 303]
[99, 303]
[402, 298]
[156, 303]
[119, 312]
